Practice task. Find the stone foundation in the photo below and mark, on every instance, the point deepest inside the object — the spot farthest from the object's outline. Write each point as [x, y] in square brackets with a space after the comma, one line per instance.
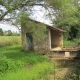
[64, 54]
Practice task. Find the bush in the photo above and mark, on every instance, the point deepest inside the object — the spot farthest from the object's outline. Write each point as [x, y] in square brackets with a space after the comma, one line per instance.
[4, 64]
[34, 58]
[70, 43]
[39, 71]
[19, 65]
[9, 65]
[77, 41]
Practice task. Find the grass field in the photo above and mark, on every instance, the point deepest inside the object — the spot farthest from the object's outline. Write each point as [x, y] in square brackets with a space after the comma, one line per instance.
[16, 64]
[69, 43]
[13, 40]
[9, 40]
[75, 43]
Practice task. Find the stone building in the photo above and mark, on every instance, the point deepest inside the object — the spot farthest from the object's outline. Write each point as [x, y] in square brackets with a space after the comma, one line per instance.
[52, 41]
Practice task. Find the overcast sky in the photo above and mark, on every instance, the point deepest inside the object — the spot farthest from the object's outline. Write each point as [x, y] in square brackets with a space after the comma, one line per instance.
[6, 27]
[38, 14]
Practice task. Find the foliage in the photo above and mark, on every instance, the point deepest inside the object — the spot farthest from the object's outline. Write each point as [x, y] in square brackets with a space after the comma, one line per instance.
[11, 8]
[69, 43]
[33, 74]
[38, 30]
[79, 72]
[30, 65]
[9, 40]
[73, 43]
[9, 33]
[8, 65]
[15, 10]
[1, 32]
[67, 16]
[15, 34]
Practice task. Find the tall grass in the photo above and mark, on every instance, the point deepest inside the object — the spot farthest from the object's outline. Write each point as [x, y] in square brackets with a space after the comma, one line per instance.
[40, 71]
[25, 65]
[9, 40]
[71, 43]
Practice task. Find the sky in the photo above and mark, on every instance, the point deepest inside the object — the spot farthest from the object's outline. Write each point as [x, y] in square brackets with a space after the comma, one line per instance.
[6, 27]
[38, 15]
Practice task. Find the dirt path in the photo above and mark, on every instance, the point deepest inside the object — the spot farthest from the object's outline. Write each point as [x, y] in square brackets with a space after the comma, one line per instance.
[65, 70]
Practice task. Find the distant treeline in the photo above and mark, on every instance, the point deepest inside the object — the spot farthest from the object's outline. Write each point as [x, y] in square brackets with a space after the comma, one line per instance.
[8, 33]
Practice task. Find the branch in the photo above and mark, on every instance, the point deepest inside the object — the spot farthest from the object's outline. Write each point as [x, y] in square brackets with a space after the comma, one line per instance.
[9, 19]
[1, 18]
[16, 25]
[21, 5]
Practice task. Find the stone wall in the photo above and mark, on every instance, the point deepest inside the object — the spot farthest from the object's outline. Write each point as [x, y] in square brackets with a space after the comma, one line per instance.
[53, 39]
[64, 54]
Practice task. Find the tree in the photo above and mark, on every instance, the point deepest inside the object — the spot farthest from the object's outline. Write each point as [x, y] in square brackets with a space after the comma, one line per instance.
[1, 32]
[10, 8]
[66, 12]
[67, 16]
[15, 34]
[16, 10]
[9, 33]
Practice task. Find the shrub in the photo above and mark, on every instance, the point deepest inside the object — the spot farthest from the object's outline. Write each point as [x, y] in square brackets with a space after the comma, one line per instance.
[21, 65]
[34, 58]
[4, 64]
[39, 71]
[69, 43]
[9, 65]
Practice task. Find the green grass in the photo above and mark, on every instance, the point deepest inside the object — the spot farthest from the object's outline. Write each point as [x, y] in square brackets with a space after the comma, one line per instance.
[38, 72]
[70, 43]
[25, 65]
[9, 40]
[74, 43]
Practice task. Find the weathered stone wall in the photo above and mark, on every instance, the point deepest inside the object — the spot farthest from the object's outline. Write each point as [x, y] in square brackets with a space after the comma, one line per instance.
[53, 39]
[43, 44]
[23, 37]
[64, 54]
[37, 45]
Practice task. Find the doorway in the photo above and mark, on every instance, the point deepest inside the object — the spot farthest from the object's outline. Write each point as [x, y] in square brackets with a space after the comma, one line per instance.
[56, 40]
[29, 40]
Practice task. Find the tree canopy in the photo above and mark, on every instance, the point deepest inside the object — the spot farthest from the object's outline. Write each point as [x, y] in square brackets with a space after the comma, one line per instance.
[9, 8]
[66, 12]
[67, 16]
[18, 11]
[1, 32]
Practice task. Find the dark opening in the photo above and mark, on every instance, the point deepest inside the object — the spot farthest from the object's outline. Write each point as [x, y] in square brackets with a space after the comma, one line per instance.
[54, 39]
[29, 40]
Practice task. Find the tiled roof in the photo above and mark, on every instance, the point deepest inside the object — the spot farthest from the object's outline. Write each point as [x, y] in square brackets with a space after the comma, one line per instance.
[49, 26]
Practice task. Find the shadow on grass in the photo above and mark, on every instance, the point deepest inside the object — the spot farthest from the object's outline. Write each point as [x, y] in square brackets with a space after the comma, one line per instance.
[15, 53]
[35, 66]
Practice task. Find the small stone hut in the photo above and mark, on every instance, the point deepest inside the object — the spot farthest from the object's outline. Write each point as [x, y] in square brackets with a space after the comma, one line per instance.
[53, 40]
